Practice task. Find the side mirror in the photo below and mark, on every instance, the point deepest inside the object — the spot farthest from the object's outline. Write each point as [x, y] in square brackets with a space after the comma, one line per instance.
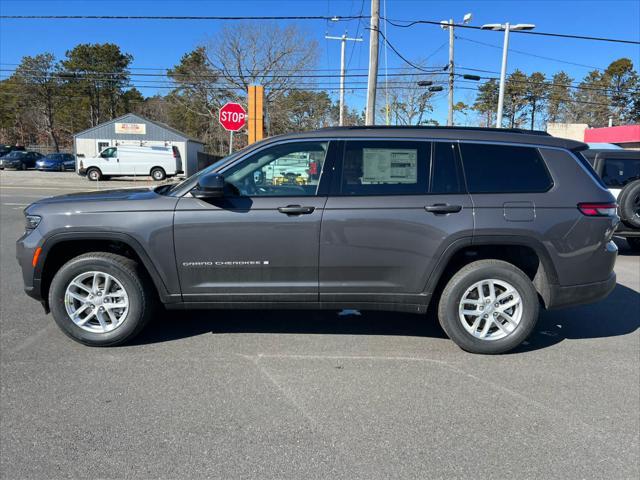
[209, 186]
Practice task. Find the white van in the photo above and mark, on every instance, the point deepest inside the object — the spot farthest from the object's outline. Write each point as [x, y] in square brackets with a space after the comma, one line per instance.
[159, 162]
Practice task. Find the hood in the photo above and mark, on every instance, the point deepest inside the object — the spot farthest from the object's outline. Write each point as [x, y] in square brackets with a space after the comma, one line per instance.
[123, 200]
[101, 196]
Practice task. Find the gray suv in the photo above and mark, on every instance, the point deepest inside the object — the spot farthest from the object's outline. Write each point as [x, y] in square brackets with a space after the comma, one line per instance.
[486, 225]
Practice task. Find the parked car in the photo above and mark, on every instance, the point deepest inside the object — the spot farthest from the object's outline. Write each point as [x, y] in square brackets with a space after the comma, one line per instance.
[620, 172]
[58, 162]
[487, 225]
[20, 160]
[159, 162]
[4, 149]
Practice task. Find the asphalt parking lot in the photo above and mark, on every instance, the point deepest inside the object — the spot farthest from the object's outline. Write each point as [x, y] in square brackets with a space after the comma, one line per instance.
[227, 394]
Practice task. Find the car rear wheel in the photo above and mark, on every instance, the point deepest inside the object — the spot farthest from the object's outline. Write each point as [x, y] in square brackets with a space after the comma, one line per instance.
[94, 174]
[489, 307]
[629, 201]
[158, 174]
[100, 299]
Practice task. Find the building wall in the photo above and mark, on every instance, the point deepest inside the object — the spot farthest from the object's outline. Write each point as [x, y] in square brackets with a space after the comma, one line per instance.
[86, 143]
[573, 131]
[191, 164]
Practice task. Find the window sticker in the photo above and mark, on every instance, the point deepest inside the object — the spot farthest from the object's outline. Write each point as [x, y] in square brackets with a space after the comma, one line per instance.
[389, 165]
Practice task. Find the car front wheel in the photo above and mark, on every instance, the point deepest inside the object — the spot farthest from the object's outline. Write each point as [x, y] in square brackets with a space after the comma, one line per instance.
[93, 174]
[489, 307]
[100, 299]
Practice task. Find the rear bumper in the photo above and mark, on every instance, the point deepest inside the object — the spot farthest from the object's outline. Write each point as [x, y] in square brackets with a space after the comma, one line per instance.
[574, 295]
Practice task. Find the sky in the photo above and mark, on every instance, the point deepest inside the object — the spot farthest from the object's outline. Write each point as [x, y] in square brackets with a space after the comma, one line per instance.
[159, 44]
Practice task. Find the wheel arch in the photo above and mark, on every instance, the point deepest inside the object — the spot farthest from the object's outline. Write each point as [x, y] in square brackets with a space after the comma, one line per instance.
[61, 247]
[515, 249]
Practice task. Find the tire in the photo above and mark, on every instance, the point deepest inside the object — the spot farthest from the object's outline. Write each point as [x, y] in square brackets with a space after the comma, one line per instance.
[629, 204]
[61, 168]
[496, 340]
[23, 166]
[94, 174]
[634, 243]
[125, 276]
[158, 174]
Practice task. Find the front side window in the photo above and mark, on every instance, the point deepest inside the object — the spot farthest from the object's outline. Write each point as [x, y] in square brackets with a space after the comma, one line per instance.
[109, 153]
[616, 173]
[289, 169]
[385, 168]
[504, 169]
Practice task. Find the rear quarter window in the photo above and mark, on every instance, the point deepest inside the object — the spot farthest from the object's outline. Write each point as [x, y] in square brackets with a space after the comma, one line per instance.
[504, 169]
[617, 172]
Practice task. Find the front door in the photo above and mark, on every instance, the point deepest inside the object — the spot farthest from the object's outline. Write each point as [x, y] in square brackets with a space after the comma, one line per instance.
[393, 208]
[109, 164]
[260, 242]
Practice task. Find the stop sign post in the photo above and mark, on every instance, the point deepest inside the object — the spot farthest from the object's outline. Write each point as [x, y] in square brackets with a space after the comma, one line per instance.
[232, 116]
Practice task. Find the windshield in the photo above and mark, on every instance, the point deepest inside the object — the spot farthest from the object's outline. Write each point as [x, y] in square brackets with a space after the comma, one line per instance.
[15, 154]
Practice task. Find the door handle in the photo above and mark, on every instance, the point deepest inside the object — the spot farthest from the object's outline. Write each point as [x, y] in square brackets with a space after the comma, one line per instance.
[443, 208]
[296, 210]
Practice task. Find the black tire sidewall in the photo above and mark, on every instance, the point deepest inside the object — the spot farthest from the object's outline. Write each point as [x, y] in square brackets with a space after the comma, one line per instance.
[627, 215]
[448, 308]
[131, 284]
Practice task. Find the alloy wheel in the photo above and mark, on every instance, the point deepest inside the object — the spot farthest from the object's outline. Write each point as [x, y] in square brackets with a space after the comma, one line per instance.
[490, 309]
[96, 302]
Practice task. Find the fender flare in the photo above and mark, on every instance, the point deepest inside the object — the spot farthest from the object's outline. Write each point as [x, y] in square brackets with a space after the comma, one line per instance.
[545, 278]
[128, 240]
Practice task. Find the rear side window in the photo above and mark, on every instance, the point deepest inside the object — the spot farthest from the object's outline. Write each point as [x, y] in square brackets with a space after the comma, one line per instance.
[504, 169]
[617, 172]
[385, 168]
[445, 172]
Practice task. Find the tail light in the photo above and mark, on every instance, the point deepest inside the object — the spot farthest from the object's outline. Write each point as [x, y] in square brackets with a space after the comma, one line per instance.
[598, 209]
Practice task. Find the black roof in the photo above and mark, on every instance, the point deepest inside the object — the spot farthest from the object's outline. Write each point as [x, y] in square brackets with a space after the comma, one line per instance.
[504, 135]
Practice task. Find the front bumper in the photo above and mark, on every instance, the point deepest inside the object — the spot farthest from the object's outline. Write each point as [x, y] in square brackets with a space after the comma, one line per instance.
[575, 295]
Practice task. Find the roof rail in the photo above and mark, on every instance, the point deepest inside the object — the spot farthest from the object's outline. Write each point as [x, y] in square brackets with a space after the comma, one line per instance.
[430, 127]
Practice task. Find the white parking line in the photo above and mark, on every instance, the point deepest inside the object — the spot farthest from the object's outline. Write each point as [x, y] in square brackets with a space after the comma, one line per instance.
[14, 204]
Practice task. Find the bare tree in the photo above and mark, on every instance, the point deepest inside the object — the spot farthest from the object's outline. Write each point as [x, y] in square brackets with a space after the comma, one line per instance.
[408, 102]
[262, 54]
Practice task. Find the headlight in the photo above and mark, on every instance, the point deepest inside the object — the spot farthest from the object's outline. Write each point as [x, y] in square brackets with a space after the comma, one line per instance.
[32, 221]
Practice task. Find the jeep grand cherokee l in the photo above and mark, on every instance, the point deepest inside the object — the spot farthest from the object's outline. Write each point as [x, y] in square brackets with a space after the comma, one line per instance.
[487, 224]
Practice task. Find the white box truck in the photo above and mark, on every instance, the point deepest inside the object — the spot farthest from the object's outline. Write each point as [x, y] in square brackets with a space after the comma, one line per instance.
[158, 162]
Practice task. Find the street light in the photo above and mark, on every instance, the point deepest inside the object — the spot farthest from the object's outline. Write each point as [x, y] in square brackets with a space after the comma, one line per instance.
[503, 72]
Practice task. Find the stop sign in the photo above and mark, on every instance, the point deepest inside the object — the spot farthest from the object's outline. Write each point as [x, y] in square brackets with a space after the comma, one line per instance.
[232, 116]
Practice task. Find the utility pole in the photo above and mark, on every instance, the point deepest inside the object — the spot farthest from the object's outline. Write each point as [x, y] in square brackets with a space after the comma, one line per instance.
[343, 41]
[450, 26]
[451, 37]
[370, 115]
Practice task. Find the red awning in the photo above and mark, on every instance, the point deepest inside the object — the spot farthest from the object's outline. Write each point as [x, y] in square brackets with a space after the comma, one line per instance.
[622, 134]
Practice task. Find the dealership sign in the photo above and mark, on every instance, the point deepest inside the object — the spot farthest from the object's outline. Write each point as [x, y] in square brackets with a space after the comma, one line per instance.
[232, 116]
[131, 128]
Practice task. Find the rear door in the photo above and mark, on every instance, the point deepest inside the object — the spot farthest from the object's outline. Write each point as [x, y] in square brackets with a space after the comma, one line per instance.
[259, 243]
[394, 208]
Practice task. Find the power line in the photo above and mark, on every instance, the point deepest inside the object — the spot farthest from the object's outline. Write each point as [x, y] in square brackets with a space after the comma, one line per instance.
[182, 17]
[531, 54]
[411, 23]
[402, 57]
